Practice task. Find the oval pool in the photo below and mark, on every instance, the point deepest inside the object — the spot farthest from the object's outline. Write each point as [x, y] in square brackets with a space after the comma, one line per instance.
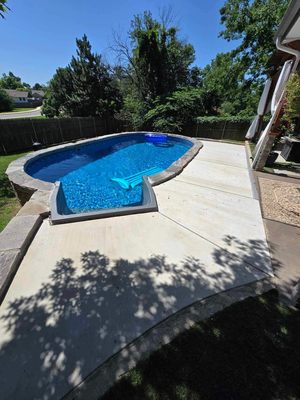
[85, 171]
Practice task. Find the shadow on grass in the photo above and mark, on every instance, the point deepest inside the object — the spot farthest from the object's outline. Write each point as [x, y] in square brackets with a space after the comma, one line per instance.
[6, 190]
[250, 350]
[83, 313]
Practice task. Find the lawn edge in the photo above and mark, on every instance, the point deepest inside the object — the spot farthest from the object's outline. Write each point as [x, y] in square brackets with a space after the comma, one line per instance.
[98, 382]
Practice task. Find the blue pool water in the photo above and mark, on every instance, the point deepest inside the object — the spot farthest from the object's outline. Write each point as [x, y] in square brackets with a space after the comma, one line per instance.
[85, 172]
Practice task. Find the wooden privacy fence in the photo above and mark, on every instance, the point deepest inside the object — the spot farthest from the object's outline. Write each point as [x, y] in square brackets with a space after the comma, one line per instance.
[219, 130]
[17, 135]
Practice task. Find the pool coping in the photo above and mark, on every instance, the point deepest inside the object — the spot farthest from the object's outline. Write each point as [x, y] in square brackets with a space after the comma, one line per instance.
[25, 186]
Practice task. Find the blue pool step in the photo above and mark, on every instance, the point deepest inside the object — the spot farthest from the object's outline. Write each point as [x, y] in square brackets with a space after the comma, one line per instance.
[136, 179]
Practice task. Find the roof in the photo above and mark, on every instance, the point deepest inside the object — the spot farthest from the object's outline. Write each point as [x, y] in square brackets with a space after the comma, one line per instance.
[289, 28]
[38, 92]
[16, 93]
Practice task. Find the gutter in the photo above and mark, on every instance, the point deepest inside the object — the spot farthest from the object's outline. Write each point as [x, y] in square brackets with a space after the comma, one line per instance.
[289, 50]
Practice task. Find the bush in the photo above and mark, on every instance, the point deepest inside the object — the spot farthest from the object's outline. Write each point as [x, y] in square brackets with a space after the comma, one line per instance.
[6, 103]
[292, 101]
[179, 110]
[230, 118]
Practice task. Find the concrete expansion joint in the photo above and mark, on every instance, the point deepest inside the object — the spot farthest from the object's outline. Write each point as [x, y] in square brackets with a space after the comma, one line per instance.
[211, 188]
[216, 244]
[222, 163]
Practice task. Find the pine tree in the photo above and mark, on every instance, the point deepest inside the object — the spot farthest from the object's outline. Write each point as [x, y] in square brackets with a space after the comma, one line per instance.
[84, 88]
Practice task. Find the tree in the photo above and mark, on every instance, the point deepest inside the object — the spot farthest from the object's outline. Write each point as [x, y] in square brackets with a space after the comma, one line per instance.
[38, 86]
[59, 90]
[3, 8]
[11, 81]
[235, 93]
[180, 109]
[83, 88]
[157, 61]
[6, 103]
[160, 59]
[253, 23]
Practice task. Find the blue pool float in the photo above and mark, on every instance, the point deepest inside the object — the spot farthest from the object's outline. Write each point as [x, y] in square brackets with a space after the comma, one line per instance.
[156, 137]
[136, 179]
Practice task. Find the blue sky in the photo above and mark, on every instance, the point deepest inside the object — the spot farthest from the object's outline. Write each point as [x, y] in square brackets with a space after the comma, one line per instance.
[38, 36]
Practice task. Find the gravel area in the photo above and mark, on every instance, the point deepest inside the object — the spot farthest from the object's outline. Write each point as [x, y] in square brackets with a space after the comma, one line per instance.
[280, 201]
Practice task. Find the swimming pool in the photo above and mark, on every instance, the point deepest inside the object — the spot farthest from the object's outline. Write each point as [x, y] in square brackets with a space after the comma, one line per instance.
[85, 172]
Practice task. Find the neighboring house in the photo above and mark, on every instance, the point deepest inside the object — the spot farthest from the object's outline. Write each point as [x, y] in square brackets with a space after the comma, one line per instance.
[38, 94]
[19, 97]
[22, 99]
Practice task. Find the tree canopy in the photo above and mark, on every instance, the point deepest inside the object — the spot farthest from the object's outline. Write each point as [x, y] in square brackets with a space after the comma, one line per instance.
[156, 84]
[160, 60]
[3, 8]
[253, 23]
[83, 88]
[11, 81]
[38, 86]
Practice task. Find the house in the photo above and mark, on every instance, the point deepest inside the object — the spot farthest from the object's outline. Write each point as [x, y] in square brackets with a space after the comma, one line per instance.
[34, 98]
[19, 97]
[283, 63]
[38, 94]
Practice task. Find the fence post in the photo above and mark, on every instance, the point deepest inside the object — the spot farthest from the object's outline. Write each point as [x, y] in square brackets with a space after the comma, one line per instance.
[80, 134]
[223, 131]
[94, 126]
[34, 132]
[60, 130]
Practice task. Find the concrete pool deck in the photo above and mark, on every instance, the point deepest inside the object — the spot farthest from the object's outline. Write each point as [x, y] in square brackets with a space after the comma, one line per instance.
[85, 290]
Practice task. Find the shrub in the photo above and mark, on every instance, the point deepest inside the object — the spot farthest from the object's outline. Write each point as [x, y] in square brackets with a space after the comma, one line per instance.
[180, 109]
[6, 103]
[292, 101]
[230, 118]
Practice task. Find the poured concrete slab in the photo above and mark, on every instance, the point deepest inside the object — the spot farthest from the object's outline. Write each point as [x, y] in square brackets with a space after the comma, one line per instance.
[85, 290]
[210, 214]
[229, 154]
[217, 176]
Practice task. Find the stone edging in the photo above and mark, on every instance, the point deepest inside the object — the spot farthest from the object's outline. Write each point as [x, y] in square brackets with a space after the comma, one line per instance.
[102, 378]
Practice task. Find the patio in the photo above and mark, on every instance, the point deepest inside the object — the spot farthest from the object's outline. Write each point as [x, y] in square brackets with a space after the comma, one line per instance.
[86, 290]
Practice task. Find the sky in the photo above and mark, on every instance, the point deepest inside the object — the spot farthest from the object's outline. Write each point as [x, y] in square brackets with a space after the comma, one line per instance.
[38, 36]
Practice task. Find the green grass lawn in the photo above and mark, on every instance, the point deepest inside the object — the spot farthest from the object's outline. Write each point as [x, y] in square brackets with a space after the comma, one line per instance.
[9, 205]
[248, 351]
[17, 110]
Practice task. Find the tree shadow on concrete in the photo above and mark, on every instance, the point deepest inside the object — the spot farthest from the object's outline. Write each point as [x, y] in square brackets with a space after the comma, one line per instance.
[54, 338]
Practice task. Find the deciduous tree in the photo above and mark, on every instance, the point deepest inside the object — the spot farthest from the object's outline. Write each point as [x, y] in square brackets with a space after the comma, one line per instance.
[252, 23]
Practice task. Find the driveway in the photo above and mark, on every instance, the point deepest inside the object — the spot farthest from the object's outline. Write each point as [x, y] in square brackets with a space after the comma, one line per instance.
[86, 290]
[21, 114]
